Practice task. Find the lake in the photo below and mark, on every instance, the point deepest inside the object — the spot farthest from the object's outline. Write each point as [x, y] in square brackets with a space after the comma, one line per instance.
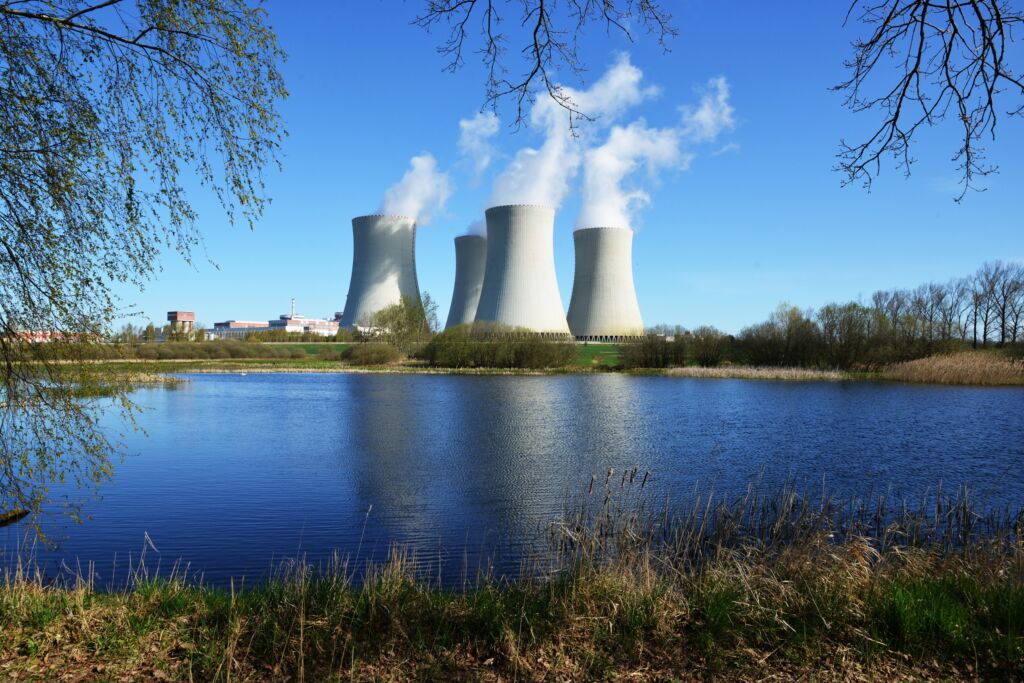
[239, 473]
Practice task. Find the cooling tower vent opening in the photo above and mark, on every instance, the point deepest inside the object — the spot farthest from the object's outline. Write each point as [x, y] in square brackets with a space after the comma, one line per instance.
[521, 206]
[386, 215]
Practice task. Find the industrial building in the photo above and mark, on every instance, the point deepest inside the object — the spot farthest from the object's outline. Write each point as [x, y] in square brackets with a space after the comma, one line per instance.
[181, 321]
[603, 305]
[239, 329]
[470, 262]
[519, 288]
[383, 266]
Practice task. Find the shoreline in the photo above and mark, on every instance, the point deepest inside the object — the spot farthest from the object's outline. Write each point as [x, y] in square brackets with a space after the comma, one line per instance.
[263, 366]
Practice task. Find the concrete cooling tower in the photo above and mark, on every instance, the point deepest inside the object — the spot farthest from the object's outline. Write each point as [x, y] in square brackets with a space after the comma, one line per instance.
[520, 289]
[383, 266]
[470, 259]
[603, 306]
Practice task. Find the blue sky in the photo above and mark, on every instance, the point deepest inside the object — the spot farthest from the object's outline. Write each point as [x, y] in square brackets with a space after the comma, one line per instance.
[757, 218]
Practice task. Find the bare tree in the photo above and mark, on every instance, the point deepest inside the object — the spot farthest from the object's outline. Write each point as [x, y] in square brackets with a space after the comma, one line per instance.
[951, 60]
[545, 37]
[984, 284]
[1006, 285]
[953, 310]
[1016, 321]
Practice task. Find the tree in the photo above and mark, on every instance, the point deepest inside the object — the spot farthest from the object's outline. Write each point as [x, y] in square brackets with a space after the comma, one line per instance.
[920, 62]
[547, 37]
[405, 323]
[926, 61]
[109, 110]
[708, 346]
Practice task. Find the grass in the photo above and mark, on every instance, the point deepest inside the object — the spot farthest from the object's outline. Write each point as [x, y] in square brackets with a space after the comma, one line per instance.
[970, 367]
[598, 355]
[786, 586]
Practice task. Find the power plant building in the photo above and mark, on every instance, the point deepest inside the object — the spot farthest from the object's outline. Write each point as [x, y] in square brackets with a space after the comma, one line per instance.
[383, 266]
[519, 287]
[603, 306]
[470, 262]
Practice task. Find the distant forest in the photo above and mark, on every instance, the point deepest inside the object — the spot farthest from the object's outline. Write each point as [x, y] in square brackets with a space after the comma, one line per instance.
[981, 310]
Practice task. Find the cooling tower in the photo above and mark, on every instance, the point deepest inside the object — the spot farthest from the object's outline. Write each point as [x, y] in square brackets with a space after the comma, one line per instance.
[470, 259]
[520, 289]
[383, 266]
[603, 304]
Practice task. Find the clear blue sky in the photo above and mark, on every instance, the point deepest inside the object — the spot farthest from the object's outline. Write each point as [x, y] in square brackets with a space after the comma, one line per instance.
[721, 243]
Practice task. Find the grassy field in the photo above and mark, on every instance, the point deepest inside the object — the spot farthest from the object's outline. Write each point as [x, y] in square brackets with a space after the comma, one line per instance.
[598, 355]
[786, 587]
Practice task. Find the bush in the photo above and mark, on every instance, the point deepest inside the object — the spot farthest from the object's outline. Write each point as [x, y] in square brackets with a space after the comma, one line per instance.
[489, 346]
[372, 353]
[709, 346]
[327, 353]
[653, 351]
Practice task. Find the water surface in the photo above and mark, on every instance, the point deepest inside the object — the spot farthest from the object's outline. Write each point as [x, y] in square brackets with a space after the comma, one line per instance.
[240, 472]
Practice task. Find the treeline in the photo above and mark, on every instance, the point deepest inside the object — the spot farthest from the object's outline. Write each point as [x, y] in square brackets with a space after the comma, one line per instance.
[130, 334]
[982, 310]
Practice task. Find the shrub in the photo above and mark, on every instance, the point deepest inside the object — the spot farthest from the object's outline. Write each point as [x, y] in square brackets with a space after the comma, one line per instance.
[327, 353]
[653, 351]
[490, 346]
[372, 353]
[709, 346]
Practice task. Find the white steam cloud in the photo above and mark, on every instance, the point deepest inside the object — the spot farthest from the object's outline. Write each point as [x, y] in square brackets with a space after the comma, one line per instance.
[477, 227]
[543, 175]
[421, 192]
[475, 140]
[713, 115]
[606, 201]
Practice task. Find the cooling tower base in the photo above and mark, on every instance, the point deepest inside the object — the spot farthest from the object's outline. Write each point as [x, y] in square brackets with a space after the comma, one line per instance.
[610, 339]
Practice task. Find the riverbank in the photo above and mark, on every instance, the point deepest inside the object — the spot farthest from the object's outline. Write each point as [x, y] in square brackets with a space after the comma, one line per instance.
[786, 588]
[973, 368]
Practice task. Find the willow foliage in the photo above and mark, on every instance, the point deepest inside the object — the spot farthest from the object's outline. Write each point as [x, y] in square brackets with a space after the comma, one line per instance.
[112, 114]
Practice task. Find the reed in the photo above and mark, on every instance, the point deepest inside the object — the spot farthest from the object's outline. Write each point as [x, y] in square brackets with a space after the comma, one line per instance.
[790, 585]
[750, 372]
[969, 367]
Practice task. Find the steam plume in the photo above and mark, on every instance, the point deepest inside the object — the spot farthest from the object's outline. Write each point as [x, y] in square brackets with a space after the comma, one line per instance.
[713, 115]
[422, 191]
[475, 140]
[606, 200]
[542, 175]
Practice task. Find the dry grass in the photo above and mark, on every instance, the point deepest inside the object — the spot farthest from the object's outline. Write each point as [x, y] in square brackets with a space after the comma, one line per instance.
[787, 587]
[969, 367]
[748, 372]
